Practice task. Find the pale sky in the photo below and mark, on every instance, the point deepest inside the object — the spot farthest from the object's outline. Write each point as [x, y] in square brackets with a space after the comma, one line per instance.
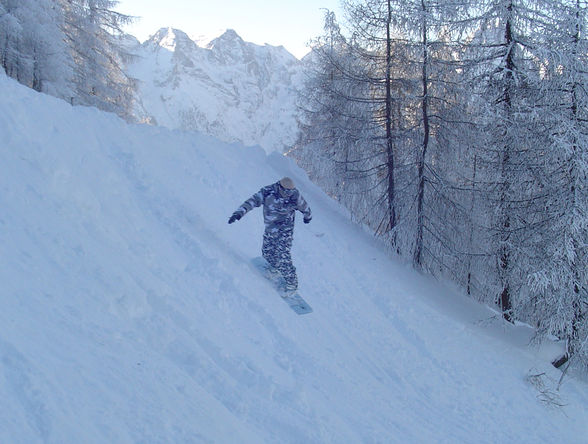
[289, 23]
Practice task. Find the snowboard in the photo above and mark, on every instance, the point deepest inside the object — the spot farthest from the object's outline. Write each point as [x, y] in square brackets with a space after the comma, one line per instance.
[294, 300]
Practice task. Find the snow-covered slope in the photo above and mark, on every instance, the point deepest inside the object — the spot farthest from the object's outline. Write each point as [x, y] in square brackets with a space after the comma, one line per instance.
[232, 89]
[131, 314]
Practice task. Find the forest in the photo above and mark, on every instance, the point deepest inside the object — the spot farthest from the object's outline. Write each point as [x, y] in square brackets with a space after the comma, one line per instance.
[457, 132]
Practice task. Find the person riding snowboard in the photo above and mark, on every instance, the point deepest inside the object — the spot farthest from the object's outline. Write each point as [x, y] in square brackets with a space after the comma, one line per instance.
[280, 202]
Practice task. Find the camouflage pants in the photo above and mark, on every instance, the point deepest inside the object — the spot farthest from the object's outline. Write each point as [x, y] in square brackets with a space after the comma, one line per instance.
[277, 243]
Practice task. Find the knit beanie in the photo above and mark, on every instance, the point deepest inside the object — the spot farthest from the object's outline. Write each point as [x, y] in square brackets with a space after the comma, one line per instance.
[287, 183]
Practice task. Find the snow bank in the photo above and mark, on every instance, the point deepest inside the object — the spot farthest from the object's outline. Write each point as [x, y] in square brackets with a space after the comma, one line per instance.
[130, 312]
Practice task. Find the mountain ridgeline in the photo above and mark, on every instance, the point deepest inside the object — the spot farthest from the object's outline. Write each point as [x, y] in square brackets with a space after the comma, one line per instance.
[231, 89]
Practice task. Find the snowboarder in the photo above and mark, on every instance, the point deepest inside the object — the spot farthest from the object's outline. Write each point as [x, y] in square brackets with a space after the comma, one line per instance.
[280, 202]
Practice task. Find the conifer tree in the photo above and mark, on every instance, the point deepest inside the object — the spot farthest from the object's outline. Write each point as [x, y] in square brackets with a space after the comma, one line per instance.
[67, 48]
[92, 29]
[32, 49]
[349, 117]
[557, 300]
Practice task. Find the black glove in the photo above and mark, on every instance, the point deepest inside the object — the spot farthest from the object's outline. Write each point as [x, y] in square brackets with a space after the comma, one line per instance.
[236, 216]
[306, 221]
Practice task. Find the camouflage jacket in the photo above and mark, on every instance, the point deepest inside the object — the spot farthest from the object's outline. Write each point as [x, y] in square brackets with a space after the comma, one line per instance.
[279, 206]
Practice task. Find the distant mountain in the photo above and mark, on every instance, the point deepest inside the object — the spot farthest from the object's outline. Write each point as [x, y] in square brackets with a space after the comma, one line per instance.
[231, 89]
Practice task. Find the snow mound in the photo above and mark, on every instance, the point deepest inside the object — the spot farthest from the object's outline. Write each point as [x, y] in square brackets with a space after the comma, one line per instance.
[131, 313]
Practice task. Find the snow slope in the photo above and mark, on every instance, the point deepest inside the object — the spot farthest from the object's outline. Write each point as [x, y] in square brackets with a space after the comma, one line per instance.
[234, 90]
[131, 314]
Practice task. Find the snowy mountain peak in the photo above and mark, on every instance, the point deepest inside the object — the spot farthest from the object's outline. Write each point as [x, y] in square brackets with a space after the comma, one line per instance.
[230, 48]
[170, 38]
[231, 44]
[230, 35]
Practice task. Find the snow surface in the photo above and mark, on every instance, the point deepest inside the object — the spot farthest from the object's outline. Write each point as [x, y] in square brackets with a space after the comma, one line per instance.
[131, 313]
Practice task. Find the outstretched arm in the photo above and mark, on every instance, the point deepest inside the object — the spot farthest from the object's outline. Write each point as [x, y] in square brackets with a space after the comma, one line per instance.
[254, 201]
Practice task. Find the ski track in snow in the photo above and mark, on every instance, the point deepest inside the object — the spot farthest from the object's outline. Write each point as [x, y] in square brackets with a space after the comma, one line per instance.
[131, 312]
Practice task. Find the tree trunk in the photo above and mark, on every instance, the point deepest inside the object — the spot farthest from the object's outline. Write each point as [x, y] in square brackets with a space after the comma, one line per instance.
[389, 140]
[471, 234]
[417, 258]
[504, 260]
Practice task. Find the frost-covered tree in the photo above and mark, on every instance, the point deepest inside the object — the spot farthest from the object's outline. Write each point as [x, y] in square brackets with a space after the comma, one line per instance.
[503, 80]
[431, 32]
[32, 48]
[67, 48]
[329, 126]
[348, 124]
[404, 53]
[519, 64]
[558, 292]
[92, 29]
[527, 74]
